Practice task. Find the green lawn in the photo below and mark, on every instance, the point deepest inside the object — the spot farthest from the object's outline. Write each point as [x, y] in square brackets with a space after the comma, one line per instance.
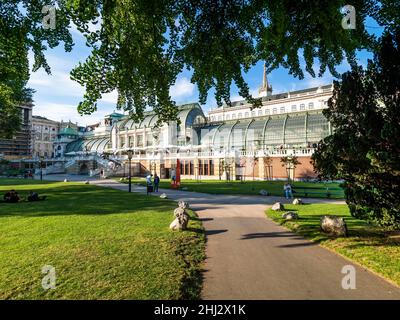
[103, 243]
[249, 187]
[366, 244]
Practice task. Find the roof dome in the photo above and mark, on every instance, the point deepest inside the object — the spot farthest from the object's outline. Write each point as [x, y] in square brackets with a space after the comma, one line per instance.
[68, 131]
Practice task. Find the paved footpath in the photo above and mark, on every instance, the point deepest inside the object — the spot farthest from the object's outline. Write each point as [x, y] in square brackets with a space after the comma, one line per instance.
[251, 257]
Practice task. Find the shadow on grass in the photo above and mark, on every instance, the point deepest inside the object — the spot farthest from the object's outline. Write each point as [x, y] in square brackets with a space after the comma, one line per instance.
[84, 200]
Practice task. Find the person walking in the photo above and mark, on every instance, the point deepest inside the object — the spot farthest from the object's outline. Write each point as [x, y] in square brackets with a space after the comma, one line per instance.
[287, 188]
[149, 183]
[156, 182]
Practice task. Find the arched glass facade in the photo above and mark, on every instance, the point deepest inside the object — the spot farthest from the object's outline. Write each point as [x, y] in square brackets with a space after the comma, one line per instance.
[289, 131]
[89, 145]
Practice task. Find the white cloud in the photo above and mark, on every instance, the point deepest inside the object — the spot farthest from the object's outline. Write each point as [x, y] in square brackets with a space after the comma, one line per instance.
[66, 112]
[56, 84]
[111, 97]
[183, 88]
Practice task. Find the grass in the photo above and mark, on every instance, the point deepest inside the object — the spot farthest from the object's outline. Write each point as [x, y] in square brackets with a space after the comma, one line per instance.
[366, 244]
[275, 188]
[103, 243]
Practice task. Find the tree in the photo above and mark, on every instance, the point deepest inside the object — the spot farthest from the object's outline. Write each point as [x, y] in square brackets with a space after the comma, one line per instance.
[20, 31]
[141, 46]
[364, 149]
[290, 162]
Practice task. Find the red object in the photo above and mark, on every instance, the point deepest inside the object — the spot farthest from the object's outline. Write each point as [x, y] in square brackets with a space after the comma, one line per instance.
[176, 182]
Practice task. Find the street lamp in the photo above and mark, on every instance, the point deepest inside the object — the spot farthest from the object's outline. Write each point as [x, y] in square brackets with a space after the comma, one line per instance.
[41, 167]
[130, 155]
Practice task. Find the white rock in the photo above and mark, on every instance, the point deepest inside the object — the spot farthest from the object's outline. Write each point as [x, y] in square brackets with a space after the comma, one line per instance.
[65, 180]
[181, 219]
[263, 192]
[297, 201]
[278, 207]
[290, 215]
[175, 225]
[163, 196]
[333, 225]
[183, 204]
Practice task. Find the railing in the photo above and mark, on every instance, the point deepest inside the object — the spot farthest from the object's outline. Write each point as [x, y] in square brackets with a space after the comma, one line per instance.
[69, 163]
[160, 155]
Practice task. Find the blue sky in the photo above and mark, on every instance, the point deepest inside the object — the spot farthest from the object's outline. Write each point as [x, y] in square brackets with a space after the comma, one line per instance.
[57, 96]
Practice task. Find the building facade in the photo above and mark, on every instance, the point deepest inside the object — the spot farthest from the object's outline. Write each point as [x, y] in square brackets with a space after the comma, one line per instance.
[46, 136]
[230, 142]
[44, 132]
[20, 146]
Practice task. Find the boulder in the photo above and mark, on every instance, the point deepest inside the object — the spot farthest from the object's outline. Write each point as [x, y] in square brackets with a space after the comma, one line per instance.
[333, 226]
[163, 196]
[184, 189]
[175, 225]
[183, 204]
[290, 215]
[263, 192]
[278, 207]
[179, 211]
[181, 219]
[297, 201]
[65, 180]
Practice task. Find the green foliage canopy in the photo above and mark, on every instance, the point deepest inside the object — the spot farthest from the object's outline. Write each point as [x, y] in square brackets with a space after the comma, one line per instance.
[365, 146]
[139, 47]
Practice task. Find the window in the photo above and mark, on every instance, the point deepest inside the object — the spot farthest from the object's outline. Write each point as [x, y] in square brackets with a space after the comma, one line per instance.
[302, 106]
[311, 105]
[234, 116]
[26, 116]
[219, 118]
[253, 113]
[228, 117]
[191, 167]
[240, 115]
[259, 113]
[246, 114]
[206, 167]
[266, 111]
[274, 111]
[294, 108]
[139, 140]
[186, 167]
[282, 110]
[131, 141]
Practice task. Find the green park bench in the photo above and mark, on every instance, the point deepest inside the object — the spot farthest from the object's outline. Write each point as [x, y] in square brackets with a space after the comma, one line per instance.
[328, 192]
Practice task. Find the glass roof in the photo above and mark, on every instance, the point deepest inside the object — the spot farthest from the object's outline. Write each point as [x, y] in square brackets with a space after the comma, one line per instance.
[291, 130]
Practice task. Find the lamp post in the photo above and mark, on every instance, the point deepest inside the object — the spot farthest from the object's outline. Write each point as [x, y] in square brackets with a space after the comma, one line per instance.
[130, 154]
[41, 167]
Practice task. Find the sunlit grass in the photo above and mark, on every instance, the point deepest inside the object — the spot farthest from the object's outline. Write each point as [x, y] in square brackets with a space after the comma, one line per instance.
[103, 243]
[366, 244]
[250, 187]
